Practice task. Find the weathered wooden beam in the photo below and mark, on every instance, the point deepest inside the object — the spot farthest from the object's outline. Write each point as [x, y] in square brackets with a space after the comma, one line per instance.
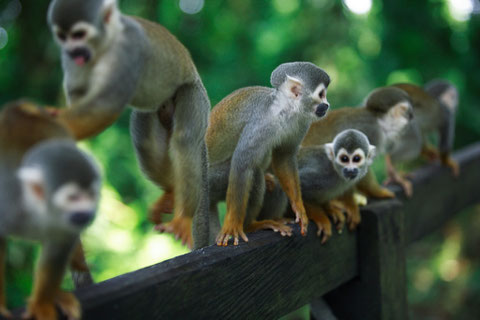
[265, 278]
[379, 291]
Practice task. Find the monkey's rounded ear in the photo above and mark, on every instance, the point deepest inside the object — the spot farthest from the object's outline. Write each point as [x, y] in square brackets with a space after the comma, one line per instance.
[330, 151]
[109, 7]
[293, 86]
[372, 152]
[33, 181]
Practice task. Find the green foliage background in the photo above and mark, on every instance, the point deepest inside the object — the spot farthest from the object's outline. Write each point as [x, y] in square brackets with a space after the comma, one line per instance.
[237, 43]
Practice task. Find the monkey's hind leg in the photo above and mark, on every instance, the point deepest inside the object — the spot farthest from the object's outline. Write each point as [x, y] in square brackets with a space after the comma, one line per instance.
[163, 205]
[259, 198]
[370, 187]
[317, 214]
[3, 303]
[46, 291]
[189, 161]
[395, 177]
[352, 210]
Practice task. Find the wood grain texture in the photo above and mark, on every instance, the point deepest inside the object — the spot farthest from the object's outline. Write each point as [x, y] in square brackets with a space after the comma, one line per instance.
[271, 276]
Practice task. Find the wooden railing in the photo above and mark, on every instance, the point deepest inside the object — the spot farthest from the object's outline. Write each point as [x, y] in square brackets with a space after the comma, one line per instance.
[358, 275]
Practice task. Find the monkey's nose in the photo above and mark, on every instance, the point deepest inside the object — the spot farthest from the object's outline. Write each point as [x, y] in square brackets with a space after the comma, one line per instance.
[321, 109]
[81, 218]
[350, 173]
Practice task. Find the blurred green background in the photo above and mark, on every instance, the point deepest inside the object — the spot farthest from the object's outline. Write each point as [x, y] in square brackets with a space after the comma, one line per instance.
[362, 44]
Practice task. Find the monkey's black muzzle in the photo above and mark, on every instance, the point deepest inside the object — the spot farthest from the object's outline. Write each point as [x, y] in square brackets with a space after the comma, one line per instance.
[81, 218]
[80, 55]
[350, 173]
[321, 109]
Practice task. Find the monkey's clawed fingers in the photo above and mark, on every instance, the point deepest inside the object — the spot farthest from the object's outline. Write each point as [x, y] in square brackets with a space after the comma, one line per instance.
[181, 227]
[224, 237]
[69, 305]
[301, 218]
[404, 183]
[338, 217]
[452, 164]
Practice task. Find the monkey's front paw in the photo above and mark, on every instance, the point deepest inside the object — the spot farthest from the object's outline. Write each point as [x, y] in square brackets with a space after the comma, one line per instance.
[301, 218]
[353, 217]
[404, 183]
[324, 227]
[69, 305]
[162, 206]
[229, 232]
[181, 227]
[335, 211]
[40, 311]
[430, 153]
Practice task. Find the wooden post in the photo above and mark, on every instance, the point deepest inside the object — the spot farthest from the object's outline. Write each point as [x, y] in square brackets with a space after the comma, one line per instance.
[379, 292]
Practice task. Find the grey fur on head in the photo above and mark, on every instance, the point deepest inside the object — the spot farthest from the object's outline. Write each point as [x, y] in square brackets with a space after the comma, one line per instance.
[351, 140]
[65, 13]
[307, 71]
[382, 99]
[437, 87]
[62, 162]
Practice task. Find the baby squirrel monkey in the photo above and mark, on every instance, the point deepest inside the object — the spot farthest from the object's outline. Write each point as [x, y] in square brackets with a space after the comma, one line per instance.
[50, 191]
[434, 108]
[111, 60]
[386, 113]
[326, 173]
[257, 126]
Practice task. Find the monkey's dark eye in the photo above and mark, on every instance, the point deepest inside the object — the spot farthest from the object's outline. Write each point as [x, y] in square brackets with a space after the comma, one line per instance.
[62, 36]
[356, 159]
[78, 35]
[322, 94]
[73, 197]
[344, 159]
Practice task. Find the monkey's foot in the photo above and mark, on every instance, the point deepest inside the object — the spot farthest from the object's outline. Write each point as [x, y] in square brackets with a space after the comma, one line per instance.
[270, 182]
[335, 210]
[324, 226]
[430, 153]
[277, 226]
[353, 217]
[163, 205]
[301, 218]
[452, 164]
[69, 305]
[5, 313]
[40, 311]
[404, 183]
[181, 227]
[228, 231]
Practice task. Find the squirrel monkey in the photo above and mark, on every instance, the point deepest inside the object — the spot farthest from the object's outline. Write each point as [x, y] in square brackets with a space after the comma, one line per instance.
[434, 108]
[50, 192]
[110, 60]
[386, 113]
[326, 173]
[254, 127]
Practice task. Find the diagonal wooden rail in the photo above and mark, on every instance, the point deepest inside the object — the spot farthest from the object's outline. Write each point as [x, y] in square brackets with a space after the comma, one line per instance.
[361, 275]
